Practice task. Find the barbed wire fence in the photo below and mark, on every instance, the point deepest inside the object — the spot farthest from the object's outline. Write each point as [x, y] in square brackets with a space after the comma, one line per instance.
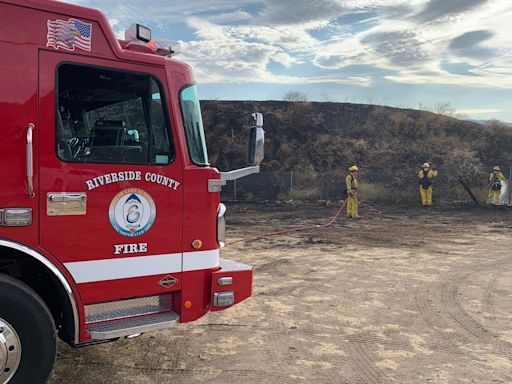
[377, 185]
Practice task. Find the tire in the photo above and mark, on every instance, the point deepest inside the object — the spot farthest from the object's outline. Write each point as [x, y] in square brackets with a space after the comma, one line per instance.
[23, 311]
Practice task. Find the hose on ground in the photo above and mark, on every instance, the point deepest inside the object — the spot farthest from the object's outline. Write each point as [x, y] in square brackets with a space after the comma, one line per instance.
[366, 206]
[291, 230]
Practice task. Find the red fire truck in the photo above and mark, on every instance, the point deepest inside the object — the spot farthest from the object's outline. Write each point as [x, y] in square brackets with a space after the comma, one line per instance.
[110, 214]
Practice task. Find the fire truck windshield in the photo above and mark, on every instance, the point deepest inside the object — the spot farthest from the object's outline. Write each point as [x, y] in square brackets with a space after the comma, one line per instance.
[193, 122]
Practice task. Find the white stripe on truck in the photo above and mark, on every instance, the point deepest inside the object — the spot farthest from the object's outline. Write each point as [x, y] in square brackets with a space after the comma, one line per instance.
[127, 267]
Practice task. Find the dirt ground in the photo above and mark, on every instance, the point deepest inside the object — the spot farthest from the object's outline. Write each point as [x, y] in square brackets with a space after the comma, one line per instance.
[408, 295]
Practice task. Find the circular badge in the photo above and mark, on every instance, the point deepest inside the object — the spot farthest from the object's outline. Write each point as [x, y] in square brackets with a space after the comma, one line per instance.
[132, 212]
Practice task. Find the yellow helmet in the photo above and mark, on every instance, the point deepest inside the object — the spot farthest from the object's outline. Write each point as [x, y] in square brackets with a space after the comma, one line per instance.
[425, 165]
[353, 168]
[496, 168]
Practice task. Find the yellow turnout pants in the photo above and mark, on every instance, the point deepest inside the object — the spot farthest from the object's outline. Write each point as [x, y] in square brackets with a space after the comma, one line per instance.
[494, 197]
[352, 206]
[426, 195]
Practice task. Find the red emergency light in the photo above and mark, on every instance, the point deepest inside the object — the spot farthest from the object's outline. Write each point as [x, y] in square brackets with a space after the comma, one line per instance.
[138, 32]
[138, 38]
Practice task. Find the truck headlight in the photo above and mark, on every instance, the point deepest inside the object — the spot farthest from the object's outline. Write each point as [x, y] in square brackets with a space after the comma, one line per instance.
[221, 225]
[223, 299]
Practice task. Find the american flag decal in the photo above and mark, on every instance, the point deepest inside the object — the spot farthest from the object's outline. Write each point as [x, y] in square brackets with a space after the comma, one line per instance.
[69, 35]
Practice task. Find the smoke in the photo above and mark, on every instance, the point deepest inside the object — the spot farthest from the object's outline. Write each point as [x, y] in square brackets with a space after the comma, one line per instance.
[505, 193]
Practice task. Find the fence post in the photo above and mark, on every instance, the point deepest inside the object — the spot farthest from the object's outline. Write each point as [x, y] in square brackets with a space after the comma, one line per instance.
[510, 187]
[234, 189]
[291, 184]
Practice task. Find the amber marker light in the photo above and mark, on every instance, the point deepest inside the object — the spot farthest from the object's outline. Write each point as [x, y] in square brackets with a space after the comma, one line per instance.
[197, 244]
[187, 304]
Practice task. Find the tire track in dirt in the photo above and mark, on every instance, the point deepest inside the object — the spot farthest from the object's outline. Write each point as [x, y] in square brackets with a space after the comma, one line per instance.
[363, 363]
[490, 289]
[447, 309]
[284, 355]
[451, 303]
[361, 359]
[369, 339]
[432, 316]
[425, 305]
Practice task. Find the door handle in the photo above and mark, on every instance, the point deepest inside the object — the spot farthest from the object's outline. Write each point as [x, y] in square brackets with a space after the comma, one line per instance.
[66, 197]
[66, 204]
[30, 160]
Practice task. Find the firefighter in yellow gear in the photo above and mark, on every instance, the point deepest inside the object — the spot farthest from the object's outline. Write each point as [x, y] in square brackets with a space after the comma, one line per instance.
[351, 185]
[496, 179]
[426, 176]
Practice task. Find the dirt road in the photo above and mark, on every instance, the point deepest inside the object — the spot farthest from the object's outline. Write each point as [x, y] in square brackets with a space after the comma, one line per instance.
[407, 296]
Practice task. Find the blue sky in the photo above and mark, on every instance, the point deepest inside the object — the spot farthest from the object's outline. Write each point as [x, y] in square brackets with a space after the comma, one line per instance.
[404, 53]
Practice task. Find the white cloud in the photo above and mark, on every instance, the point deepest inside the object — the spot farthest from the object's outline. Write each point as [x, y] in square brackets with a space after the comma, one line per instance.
[437, 10]
[294, 38]
[478, 111]
[229, 17]
[284, 59]
[291, 12]
[225, 54]
[164, 12]
[416, 52]
[411, 41]
[219, 56]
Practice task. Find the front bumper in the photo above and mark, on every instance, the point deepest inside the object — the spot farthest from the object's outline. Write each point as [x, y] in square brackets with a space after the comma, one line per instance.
[231, 284]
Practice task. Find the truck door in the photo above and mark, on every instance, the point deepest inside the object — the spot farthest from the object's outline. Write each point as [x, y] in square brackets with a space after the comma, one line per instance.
[110, 176]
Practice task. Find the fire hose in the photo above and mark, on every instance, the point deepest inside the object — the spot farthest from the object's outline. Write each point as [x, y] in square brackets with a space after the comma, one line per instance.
[306, 228]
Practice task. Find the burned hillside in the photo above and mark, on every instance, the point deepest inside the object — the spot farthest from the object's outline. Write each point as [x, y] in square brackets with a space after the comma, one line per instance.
[319, 138]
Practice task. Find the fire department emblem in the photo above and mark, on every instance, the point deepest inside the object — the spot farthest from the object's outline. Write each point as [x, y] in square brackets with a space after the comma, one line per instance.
[132, 212]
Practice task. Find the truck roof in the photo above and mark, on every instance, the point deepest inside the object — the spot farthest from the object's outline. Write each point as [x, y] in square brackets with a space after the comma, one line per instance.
[61, 9]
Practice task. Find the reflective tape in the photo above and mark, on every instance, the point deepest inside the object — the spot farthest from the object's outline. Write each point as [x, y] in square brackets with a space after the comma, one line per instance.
[148, 265]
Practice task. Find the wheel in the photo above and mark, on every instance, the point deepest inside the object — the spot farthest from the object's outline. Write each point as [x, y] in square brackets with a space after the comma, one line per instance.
[27, 335]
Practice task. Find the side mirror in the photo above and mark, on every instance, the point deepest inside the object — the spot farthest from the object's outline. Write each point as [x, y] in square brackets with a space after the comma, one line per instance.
[254, 158]
[256, 141]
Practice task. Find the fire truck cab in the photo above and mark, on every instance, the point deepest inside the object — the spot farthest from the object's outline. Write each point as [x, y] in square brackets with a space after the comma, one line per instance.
[110, 214]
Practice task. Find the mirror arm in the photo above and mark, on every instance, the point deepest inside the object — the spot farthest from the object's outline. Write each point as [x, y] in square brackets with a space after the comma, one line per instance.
[215, 185]
[255, 157]
[239, 173]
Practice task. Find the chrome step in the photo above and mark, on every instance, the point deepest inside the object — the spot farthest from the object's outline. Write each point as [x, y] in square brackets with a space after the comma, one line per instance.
[132, 326]
[116, 310]
[230, 265]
